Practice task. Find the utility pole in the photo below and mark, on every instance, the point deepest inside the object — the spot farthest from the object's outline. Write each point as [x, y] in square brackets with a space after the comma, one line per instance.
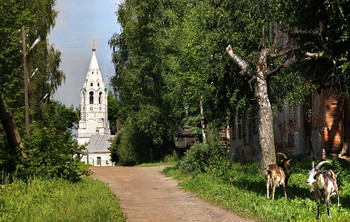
[25, 69]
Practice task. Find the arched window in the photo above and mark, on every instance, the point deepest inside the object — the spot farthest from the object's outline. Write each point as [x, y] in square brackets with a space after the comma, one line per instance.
[91, 97]
[91, 84]
[100, 98]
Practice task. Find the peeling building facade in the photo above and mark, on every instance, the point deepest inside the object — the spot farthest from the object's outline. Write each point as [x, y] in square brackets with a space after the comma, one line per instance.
[325, 133]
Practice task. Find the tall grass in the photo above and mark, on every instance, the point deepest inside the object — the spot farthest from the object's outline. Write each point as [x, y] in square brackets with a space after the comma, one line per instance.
[242, 190]
[58, 200]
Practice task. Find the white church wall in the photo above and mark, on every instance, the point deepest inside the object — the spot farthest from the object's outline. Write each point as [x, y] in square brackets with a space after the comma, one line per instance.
[97, 159]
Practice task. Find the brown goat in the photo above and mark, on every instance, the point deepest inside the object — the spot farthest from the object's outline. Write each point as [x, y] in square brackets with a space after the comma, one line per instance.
[278, 174]
[326, 185]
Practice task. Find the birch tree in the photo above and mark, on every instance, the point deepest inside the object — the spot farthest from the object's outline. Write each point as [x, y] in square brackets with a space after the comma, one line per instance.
[271, 55]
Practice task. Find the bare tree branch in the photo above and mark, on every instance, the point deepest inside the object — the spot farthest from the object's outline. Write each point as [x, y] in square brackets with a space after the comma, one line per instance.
[250, 82]
[288, 48]
[317, 55]
[275, 70]
[238, 60]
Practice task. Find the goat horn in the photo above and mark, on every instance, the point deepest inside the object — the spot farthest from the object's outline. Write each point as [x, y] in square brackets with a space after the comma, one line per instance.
[282, 154]
[321, 163]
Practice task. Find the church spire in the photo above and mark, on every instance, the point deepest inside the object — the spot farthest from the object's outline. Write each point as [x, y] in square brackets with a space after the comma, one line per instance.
[93, 67]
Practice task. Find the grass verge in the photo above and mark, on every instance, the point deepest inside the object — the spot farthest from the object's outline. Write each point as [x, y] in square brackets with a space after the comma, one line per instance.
[58, 200]
[157, 164]
[242, 190]
[170, 159]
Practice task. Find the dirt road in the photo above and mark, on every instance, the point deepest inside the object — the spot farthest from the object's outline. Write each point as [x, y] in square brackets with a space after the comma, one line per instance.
[147, 195]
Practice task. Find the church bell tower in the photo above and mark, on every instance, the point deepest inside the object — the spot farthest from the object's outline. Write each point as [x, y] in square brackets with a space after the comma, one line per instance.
[93, 104]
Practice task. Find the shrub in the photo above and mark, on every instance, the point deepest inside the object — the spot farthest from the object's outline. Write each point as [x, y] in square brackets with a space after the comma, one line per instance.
[126, 151]
[115, 146]
[206, 157]
[196, 158]
[49, 155]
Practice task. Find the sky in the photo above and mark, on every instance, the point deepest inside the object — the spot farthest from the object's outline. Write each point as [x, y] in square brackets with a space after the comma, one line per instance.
[80, 24]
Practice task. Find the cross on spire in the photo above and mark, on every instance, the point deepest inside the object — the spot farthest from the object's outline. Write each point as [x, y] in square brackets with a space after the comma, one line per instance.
[93, 46]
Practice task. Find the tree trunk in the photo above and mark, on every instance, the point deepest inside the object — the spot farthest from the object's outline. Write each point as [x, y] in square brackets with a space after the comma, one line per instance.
[266, 134]
[202, 120]
[10, 128]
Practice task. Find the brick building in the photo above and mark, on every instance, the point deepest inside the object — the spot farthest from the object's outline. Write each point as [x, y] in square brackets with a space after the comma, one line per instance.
[330, 123]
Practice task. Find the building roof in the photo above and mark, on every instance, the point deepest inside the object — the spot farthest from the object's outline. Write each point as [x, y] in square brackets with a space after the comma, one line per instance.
[99, 144]
[184, 139]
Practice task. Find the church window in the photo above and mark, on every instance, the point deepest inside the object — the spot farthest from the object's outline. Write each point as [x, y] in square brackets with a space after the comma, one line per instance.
[98, 84]
[92, 72]
[91, 97]
[99, 98]
[91, 84]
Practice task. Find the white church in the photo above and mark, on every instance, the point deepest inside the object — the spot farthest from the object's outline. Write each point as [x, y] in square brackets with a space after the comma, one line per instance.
[94, 125]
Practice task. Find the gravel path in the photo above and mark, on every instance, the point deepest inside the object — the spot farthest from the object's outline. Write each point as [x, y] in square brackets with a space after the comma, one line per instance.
[147, 195]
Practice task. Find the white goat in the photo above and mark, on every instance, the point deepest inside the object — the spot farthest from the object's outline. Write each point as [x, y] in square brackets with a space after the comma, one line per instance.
[326, 185]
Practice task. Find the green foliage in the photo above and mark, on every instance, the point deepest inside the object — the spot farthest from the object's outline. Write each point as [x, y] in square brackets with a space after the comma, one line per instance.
[171, 158]
[242, 190]
[196, 158]
[49, 155]
[115, 146]
[207, 157]
[113, 111]
[54, 113]
[298, 89]
[141, 138]
[126, 153]
[49, 149]
[38, 17]
[330, 40]
[58, 200]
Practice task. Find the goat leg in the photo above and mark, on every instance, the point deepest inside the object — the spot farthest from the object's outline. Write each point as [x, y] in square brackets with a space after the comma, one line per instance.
[327, 205]
[338, 198]
[273, 191]
[284, 189]
[318, 210]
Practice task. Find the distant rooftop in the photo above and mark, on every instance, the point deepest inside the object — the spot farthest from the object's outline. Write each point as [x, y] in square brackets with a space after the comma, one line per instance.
[99, 144]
